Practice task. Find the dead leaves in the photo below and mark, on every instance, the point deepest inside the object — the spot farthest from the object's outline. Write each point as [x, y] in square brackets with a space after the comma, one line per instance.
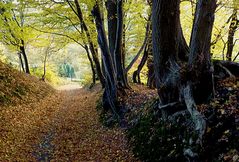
[62, 127]
[21, 127]
[17, 87]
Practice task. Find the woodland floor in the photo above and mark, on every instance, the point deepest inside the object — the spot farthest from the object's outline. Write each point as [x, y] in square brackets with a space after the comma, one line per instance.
[61, 127]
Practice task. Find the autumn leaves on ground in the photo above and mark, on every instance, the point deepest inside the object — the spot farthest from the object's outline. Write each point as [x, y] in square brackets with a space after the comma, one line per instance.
[62, 126]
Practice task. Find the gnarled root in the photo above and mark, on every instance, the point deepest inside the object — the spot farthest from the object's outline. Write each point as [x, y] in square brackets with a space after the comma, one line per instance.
[197, 117]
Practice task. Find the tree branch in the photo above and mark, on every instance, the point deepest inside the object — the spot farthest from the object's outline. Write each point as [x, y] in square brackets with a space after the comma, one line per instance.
[59, 34]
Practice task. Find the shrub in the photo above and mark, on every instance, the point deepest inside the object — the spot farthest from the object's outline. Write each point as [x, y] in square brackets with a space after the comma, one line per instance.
[154, 139]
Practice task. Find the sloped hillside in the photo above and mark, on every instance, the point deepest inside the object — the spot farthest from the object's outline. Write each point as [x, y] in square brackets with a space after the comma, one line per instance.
[17, 87]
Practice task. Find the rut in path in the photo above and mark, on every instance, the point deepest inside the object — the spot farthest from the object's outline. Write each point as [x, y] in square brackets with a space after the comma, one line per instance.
[71, 132]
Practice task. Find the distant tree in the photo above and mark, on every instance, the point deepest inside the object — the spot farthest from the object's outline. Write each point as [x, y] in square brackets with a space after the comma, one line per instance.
[13, 30]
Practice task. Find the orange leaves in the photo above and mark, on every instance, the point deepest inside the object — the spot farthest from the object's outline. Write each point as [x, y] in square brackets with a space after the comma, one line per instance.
[62, 127]
[17, 87]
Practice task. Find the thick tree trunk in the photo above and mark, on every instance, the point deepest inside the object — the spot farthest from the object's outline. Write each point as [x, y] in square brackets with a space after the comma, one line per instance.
[110, 93]
[115, 38]
[165, 20]
[179, 84]
[23, 52]
[199, 66]
[232, 30]
[112, 24]
[199, 63]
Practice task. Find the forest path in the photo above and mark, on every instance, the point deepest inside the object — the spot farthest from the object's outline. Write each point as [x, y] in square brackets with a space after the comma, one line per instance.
[75, 133]
[63, 127]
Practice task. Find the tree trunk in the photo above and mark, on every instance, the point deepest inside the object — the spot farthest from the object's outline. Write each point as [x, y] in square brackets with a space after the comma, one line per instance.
[124, 46]
[115, 38]
[110, 92]
[91, 65]
[90, 42]
[146, 39]
[199, 63]
[165, 20]
[21, 62]
[150, 63]
[23, 52]
[120, 69]
[232, 30]
[44, 66]
[136, 74]
[179, 84]
[112, 24]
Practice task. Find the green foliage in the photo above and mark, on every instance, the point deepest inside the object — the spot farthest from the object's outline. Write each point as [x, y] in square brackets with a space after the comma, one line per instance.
[87, 80]
[13, 24]
[51, 75]
[66, 70]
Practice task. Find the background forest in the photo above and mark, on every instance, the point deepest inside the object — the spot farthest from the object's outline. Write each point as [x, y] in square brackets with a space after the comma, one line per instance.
[52, 36]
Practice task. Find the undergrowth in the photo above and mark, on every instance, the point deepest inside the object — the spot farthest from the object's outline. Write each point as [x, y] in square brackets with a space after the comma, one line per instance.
[154, 139]
[105, 118]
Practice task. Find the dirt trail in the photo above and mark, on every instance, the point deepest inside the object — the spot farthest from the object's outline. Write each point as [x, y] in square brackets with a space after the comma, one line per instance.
[70, 132]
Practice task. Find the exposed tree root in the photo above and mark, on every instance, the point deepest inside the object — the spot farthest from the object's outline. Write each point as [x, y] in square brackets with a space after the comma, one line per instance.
[229, 67]
[197, 118]
[226, 70]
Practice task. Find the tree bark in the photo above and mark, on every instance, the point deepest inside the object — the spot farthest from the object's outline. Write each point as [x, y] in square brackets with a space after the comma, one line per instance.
[199, 66]
[110, 92]
[112, 24]
[199, 63]
[90, 42]
[115, 38]
[118, 53]
[174, 82]
[21, 62]
[44, 66]
[136, 74]
[91, 65]
[23, 52]
[165, 20]
[232, 30]
[146, 38]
